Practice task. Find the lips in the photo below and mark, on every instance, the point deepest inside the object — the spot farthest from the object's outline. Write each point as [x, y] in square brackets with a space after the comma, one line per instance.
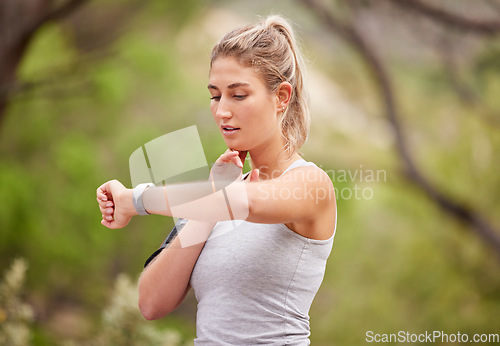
[228, 130]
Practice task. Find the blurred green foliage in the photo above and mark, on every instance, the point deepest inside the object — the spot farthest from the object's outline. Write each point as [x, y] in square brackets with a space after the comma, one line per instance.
[398, 262]
[16, 316]
[120, 324]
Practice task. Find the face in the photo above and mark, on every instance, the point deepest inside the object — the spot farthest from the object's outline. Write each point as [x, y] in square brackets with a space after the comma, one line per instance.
[242, 106]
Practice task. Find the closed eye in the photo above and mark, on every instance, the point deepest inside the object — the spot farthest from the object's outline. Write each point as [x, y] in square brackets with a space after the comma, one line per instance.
[216, 98]
[240, 97]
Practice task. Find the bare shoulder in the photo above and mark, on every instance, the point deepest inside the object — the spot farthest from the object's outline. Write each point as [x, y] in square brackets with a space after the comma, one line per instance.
[318, 194]
[311, 177]
[302, 198]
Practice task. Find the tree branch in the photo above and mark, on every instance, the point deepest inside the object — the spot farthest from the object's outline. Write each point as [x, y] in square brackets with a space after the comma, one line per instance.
[381, 77]
[482, 27]
[15, 40]
[465, 93]
[495, 6]
[56, 14]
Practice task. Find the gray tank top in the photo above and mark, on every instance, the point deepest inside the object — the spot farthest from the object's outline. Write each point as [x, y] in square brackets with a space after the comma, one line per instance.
[255, 283]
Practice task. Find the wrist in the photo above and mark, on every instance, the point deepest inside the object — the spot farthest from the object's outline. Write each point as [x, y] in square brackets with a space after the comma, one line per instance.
[137, 198]
[126, 199]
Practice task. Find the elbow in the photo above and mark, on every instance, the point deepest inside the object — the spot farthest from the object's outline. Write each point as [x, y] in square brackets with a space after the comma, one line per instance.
[148, 310]
[152, 306]
[156, 300]
[151, 310]
[148, 313]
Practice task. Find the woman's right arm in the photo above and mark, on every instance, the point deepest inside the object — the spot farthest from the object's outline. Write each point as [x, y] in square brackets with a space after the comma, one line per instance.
[165, 281]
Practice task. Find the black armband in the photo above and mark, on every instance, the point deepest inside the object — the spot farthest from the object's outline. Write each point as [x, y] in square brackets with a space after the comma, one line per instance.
[171, 236]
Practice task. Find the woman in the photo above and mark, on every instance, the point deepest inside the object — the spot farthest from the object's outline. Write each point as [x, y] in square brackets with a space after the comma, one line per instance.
[254, 278]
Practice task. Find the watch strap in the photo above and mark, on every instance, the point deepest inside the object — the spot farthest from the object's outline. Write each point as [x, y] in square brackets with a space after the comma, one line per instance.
[137, 198]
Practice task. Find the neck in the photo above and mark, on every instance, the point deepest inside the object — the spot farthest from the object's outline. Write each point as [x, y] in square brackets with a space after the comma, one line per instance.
[271, 162]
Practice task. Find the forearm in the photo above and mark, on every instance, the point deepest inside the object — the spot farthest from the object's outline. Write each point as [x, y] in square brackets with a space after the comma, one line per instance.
[198, 201]
[164, 282]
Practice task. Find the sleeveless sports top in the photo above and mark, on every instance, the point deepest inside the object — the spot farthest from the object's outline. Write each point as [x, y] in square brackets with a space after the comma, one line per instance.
[255, 283]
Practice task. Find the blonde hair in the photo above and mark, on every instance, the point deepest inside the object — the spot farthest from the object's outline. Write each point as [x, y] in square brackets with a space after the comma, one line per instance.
[270, 48]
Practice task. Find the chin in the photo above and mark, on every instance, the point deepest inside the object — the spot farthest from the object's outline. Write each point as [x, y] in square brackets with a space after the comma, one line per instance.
[235, 146]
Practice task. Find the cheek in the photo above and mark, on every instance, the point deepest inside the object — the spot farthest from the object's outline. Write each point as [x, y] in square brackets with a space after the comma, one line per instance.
[213, 109]
[268, 115]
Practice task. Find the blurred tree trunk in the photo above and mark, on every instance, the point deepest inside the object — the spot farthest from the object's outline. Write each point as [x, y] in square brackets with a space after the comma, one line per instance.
[452, 20]
[19, 22]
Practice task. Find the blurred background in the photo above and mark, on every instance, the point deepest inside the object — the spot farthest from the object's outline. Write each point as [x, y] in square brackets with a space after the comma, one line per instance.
[405, 119]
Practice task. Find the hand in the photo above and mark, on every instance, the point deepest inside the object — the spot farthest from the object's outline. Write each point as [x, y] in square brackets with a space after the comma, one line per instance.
[227, 169]
[254, 173]
[115, 203]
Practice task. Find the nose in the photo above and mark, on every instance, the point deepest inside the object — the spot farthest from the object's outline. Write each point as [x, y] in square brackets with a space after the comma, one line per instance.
[223, 110]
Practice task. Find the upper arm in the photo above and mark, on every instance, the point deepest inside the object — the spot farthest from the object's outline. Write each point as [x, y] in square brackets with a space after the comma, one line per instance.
[300, 195]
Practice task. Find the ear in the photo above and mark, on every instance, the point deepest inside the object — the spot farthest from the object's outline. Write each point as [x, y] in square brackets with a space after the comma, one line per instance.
[283, 95]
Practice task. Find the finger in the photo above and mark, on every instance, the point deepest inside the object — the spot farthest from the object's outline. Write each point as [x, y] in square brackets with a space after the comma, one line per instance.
[254, 175]
[237, 161]
[102, 197]
[234, 157]
[228, 155]
[108, 224]
[104, 191]
[107, 217]
[106, 211]
[103, 204]
[101, 188]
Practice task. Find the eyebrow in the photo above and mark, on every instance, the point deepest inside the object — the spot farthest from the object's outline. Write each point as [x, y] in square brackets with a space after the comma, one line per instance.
[230, 86]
